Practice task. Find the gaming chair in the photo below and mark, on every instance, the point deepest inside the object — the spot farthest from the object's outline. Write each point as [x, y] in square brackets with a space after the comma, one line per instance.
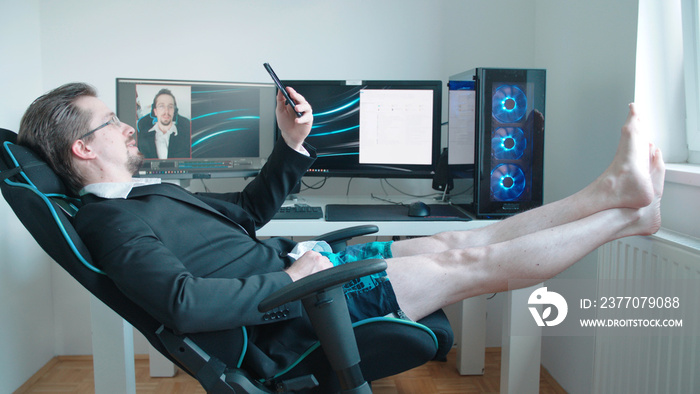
[382, 346]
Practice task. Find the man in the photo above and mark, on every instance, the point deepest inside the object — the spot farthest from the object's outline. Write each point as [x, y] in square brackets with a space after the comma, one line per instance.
[194, 262]
[164, 133]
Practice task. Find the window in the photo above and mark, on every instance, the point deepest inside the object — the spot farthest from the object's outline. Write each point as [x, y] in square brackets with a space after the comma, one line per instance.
[691, 49]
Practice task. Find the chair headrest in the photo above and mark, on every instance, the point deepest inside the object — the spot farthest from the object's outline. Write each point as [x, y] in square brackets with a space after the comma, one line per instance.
[52, 229]
[35, 170]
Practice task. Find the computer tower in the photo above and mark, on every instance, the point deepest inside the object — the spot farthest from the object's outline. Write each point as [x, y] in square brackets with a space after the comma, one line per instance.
[509, 140]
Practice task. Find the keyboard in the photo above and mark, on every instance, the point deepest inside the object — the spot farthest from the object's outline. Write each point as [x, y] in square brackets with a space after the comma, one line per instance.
[299, 211]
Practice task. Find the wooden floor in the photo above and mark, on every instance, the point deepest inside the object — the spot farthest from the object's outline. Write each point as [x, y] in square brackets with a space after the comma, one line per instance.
[73, 374]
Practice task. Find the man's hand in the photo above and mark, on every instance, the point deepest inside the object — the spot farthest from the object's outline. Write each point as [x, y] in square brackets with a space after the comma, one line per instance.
[309, 263]
[294, 130]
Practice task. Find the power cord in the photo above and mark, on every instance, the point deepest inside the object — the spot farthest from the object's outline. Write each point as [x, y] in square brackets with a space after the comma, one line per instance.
[315, 186]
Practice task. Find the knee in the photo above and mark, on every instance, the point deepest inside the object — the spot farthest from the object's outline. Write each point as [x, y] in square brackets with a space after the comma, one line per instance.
[445, 241]
[472, 258]
[472, 268]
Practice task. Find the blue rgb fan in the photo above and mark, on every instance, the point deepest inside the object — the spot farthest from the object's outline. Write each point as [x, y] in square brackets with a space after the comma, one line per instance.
[507, 182]
[508, 104]
[508, 143]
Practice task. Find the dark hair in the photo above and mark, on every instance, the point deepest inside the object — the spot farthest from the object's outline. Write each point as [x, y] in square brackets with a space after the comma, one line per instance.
[52, 123]
[160, 93]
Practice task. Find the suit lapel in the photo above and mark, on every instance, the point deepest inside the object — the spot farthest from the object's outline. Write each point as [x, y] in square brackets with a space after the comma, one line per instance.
[180, 194]
[171, 191]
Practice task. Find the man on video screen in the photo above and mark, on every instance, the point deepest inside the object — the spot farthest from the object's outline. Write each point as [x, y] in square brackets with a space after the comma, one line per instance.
[164, 133]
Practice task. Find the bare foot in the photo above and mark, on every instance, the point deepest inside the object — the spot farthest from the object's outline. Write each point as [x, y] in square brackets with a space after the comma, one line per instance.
[627, 182]
[658, 174]
[657, 171]
[650, 216]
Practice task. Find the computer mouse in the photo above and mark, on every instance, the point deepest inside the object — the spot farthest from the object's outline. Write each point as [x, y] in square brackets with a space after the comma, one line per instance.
[418, 209]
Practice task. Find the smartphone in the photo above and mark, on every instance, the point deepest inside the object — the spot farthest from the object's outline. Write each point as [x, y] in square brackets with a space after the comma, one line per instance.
[282, 88]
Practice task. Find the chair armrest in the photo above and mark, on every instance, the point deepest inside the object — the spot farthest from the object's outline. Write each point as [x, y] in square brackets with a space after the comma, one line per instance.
[338, 239]
[321, 280]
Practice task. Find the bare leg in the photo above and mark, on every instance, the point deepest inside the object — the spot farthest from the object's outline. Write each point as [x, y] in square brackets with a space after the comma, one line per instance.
[624, 184]
[452, 274]
[429, 282]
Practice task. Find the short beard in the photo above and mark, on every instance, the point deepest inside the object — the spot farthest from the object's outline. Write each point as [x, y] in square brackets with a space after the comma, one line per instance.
[134, 162]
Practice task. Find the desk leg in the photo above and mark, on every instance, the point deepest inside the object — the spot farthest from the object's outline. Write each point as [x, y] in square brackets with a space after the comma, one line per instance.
[159, 365]
[520, 355]
[112, 350]
[471, 339]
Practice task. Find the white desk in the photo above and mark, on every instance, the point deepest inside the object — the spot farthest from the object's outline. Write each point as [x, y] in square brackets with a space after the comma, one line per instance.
[471, 331]
[520, 356]
[315, 227]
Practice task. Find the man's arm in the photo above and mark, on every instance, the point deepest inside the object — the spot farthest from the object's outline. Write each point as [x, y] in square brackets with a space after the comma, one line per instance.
[263, 196]
[309, 263]
[288, 162]
[284, 170]
[150, 274]
[293, 129]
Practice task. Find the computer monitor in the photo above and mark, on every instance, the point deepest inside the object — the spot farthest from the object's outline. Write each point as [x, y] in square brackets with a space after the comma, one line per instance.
[374, 129]
[222, 129]
[461, 135]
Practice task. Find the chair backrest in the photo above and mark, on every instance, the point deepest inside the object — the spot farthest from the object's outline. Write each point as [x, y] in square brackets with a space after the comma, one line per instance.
[45, 207]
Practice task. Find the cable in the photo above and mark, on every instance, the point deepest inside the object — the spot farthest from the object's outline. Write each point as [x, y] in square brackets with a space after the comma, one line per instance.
[465, 191]
[315, 185]
[206, 189]
[408, 194]
[347, 191]
[386, 200]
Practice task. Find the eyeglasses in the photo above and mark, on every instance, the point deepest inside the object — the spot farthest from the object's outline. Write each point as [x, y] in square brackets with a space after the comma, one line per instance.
[113, 120]
[165, 106]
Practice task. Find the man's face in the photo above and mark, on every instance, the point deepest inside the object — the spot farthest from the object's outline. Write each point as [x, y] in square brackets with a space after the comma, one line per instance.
[165, 110]
[114, 145]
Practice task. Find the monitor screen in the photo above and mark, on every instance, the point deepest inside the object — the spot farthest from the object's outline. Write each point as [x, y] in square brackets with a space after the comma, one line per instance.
[374, 129]
[196, 129]
[461, 108]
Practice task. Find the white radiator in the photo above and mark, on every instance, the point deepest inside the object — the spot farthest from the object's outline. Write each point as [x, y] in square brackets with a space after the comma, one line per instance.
[666, 263]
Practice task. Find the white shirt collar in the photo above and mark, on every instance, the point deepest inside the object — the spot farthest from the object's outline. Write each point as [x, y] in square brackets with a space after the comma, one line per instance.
[117, 189]
[171, 130]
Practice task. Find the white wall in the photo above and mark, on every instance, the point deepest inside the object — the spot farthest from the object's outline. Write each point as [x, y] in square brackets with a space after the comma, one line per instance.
[587, 47]
[26, 313]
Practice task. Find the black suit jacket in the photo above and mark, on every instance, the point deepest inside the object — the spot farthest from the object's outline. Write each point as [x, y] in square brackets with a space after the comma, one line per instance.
[195, 264]
[180, 146]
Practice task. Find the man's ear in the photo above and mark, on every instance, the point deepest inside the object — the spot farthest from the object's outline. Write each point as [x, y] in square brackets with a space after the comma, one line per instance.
[82, 150]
